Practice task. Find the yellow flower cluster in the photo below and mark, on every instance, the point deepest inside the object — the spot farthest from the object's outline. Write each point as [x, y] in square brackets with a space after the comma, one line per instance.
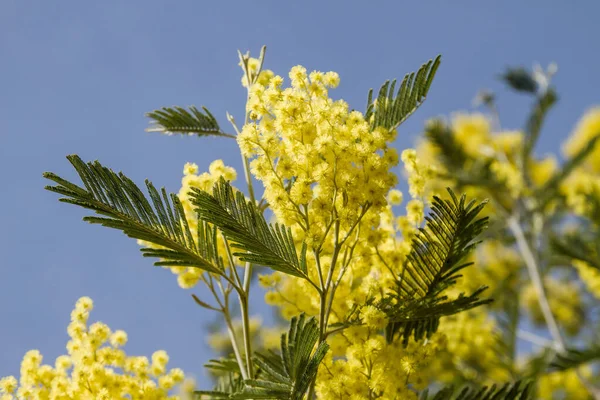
[471, 349]
[328, 176]
[368, 364]
[590, 276]
[485, 149]
[498, 154]
[582, 188]
[587, 129]
[418, 173]
[565, 303]
[312, 153]
[579, 189]
[567, 383]
[95, 368]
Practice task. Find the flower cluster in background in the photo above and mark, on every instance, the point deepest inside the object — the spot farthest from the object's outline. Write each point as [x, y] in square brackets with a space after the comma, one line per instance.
[95, 367]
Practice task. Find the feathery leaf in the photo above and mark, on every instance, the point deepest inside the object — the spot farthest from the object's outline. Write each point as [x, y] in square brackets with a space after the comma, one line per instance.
[390, 111]
[123, 206]
[171, 120]
[573, 358]
[432, 266]
[536, 118]
[289, 374]
[245, 226]
[509, 391]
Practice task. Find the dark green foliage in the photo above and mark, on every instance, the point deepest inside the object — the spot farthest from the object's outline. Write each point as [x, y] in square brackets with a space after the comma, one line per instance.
[390, 111]
[245, 226]
[509, 391]
[581, 245]
[573, 358]
[179, 120]
[228, 382]
[433, 265]
[228, 364]
[226, 387]
[123, 206]
[520, 80]
[420, 318]
[534, 123]
[285, 376]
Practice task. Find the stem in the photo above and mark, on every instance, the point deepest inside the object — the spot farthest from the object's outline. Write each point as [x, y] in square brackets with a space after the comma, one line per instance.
[536, 279]
[235, 345]
[246, 331]
[246, 289]
[243, 299]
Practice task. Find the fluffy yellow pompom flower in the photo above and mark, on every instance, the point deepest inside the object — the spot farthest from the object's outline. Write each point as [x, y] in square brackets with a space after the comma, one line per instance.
[415, 210]
[373, 317]
[473, 133]
[395, 197]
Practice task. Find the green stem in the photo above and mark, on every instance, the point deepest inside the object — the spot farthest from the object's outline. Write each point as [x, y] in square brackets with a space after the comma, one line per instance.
[247, 279]
[235, 345]
[247, 339]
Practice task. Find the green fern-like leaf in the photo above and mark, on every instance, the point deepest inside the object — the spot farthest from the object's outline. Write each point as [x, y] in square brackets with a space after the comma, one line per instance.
[432, 266]
[228, 382]
[225, 387]
[581, 246]
[509, 391]
[389, 110]
[171, 120]
[123, 206]
[289, 374]
[245, 226]
[536, 118]
[573, 358]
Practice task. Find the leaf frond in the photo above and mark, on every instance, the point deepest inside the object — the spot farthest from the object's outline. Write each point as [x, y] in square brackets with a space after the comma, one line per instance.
[580, 246]
[192, 121]
[289, 374]
[123, 206]
[573, 358]
[390, 109]
[510, 391]
[245, 226]
[536, 118]
[434, 264]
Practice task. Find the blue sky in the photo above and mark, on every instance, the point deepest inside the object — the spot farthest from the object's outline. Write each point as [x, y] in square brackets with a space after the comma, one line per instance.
[77, 77]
